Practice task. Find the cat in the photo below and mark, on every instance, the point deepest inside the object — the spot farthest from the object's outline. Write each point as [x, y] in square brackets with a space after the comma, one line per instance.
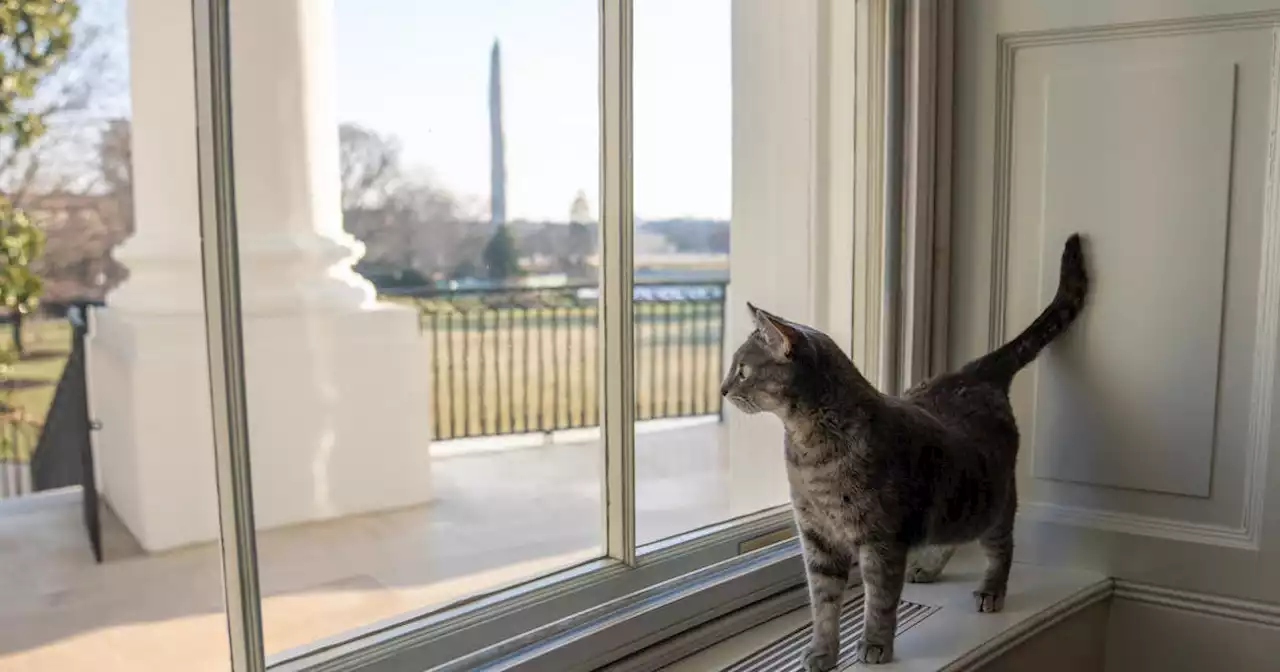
[876, 477]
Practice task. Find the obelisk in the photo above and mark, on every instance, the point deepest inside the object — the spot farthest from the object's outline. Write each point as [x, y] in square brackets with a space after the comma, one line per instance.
[497, 158]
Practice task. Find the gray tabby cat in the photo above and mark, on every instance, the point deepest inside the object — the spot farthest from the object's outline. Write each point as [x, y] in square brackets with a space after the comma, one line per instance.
[873, 477]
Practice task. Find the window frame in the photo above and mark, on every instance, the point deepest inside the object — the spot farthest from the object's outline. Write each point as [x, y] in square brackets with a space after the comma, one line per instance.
[224, 333]
[632, 596]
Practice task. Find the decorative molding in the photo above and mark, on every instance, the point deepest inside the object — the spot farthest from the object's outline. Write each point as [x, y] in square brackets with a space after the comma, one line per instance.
[1002, 200]
[1245, 611]
[1247, 534]
[1146, 526]
[1142, 29]
[1267, 332]
[1007, 46]
[983, 655]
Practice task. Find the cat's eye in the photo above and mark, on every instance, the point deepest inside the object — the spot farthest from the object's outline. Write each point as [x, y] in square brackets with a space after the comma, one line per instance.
[744, 370]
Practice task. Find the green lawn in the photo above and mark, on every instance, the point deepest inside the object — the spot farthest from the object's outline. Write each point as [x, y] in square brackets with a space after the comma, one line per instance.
[28, 387]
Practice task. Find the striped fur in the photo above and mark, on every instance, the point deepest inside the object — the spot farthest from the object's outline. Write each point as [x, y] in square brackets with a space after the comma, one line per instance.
[891, 484]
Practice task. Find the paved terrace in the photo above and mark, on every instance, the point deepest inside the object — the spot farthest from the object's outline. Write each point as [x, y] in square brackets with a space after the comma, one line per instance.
[502, 513]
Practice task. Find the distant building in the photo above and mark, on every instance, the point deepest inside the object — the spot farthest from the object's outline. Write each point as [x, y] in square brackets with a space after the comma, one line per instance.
[580, 211]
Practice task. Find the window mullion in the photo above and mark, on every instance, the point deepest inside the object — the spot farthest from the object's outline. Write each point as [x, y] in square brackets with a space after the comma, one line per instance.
[224, 333]
[926, 189]
[616, 315]
[892, 198]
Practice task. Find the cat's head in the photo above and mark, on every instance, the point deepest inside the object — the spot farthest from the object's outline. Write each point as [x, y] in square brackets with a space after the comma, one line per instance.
[772, 368]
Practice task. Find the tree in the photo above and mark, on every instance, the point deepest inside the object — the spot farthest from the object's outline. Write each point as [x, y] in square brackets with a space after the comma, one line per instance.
[21, 243]
[34, 38]
[369, 166]
[83, 229]
[86, 85]
[410, 226]
[501, 258]
[115, 164]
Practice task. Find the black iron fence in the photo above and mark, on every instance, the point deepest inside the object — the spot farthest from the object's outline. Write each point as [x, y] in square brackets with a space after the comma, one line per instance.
[526, 359]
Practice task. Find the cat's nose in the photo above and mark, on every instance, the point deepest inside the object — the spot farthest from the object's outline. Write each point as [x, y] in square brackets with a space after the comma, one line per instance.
[724, 390]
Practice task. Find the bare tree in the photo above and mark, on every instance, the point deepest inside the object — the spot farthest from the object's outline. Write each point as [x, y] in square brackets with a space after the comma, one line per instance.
[76, 101]
[369, 166]
[407, 223]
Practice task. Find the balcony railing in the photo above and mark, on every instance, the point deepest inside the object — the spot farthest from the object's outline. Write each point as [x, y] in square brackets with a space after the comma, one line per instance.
[525, 359]
[18, 436]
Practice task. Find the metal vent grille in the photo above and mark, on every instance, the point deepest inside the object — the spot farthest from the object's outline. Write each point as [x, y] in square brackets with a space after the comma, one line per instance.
[784, 655]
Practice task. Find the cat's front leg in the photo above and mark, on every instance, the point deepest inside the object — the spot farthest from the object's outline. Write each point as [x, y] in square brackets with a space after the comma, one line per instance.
[827, 567]
[884, 568]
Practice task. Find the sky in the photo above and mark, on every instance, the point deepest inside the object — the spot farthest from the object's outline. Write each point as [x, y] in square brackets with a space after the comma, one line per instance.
[418, 70]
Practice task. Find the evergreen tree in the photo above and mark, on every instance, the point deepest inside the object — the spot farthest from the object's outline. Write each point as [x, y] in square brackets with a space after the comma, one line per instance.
[34, 38]
[501, 258]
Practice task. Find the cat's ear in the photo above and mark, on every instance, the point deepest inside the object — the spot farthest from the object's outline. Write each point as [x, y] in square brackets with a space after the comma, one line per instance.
[779, 335]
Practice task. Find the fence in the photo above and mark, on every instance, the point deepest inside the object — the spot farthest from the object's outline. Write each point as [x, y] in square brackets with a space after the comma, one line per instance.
[64, 454]
[525, 359]
[57, 454]
[18, 437]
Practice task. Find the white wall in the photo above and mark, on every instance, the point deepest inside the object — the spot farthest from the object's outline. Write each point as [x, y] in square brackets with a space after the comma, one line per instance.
[1183, 635]
[1149, 432]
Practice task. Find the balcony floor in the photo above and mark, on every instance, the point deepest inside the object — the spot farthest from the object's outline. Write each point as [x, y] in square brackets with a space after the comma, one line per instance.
[500, 514]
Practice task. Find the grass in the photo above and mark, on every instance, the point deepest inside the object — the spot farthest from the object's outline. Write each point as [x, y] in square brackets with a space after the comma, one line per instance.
[29, 384]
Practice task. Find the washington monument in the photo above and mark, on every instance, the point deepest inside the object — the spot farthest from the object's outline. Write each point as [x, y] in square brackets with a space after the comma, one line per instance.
[497, 158]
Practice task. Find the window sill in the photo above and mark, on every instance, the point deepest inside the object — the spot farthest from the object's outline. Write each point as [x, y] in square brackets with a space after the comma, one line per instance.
[954, 637]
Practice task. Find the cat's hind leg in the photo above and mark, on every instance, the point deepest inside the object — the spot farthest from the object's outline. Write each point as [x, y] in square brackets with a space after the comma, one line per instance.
[997, 543]
[925, 564]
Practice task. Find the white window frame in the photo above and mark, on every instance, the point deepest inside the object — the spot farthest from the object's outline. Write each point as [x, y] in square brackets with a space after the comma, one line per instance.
[633, 597]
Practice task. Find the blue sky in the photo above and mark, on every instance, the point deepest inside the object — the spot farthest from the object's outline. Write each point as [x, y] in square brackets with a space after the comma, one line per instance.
[418, 69]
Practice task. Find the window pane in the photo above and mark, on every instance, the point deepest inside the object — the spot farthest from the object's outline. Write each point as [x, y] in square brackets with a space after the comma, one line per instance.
[683, 172]
[112, 183]
[417, 421]
[698, 259]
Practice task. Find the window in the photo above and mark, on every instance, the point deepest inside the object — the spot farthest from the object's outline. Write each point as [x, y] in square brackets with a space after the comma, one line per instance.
[419, 429]
[103, 412]
[469, 275]
[683, 270]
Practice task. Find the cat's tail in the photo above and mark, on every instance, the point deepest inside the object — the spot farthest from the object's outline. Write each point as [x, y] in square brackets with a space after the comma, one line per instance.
[1003, 364]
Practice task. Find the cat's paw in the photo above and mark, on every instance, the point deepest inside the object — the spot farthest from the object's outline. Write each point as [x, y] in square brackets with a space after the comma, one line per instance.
[988, 602]
[873, 654]
[918, 574]
[820, 660]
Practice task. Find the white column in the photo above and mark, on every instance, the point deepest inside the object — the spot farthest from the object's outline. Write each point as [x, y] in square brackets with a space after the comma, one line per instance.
[337, 382]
